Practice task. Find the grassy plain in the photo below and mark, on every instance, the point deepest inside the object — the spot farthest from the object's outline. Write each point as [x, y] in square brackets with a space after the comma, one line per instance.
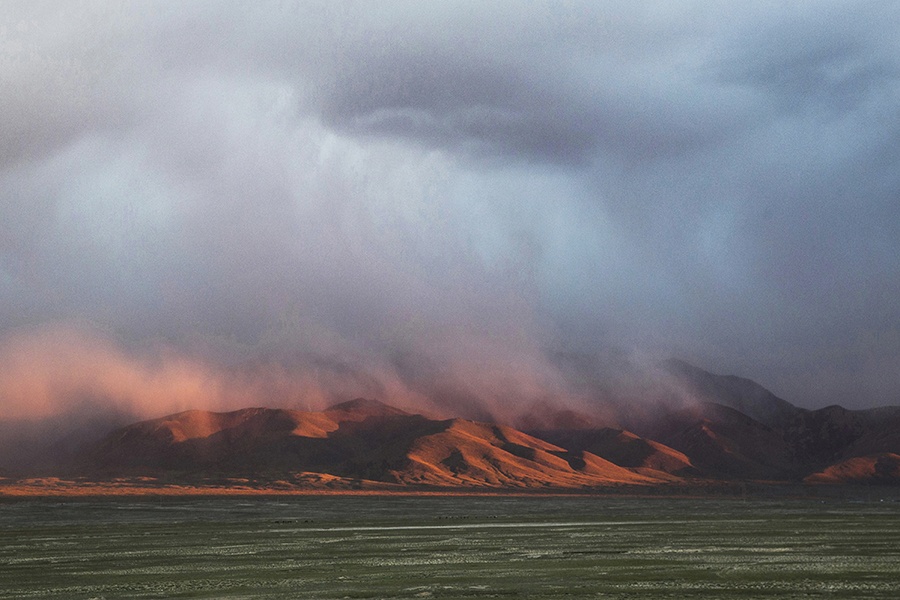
[449, 547]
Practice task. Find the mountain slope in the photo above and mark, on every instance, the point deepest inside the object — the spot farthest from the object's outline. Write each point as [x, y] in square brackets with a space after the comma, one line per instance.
[743, 395]
[724, 442]
[623, 448]
[805, 442]
[881, 468]
[479, 454]
[358, 439]
[369, 440]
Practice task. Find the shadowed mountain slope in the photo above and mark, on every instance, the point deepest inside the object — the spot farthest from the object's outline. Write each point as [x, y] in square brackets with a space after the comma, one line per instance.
[873, 469]
[741, 394]
[821, 437]
[785, 441]
[622, 448]
[725, 442]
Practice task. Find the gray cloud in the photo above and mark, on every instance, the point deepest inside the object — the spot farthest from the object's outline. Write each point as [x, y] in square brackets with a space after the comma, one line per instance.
[435, 202]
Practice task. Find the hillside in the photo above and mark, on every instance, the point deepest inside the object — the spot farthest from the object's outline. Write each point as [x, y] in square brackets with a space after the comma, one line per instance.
[623, 448]
[361, 439]
[731, 429]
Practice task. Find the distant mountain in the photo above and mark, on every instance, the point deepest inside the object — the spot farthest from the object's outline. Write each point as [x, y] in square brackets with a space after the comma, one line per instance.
[741, 394]
[472, 453]
[724, 428]
[821, 437]
[780, 441]
[362, 439]
[825, 436]
[873, 469]
[725, 442]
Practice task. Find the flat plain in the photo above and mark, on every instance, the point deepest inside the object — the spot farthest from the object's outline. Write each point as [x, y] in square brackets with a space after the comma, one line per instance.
[450, 547]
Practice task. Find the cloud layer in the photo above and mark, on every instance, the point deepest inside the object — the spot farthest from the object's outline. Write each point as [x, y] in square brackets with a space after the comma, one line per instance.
[432, 203]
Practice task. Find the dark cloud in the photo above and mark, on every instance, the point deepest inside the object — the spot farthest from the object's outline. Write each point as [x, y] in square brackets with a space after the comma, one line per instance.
[825, 59]
[436, 203]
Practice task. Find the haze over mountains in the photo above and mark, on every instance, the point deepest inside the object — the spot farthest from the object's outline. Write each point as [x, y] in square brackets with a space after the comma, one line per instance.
[734, 430]
[721, 428]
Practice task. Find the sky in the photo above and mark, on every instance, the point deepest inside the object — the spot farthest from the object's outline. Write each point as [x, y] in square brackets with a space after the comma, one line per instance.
[455, 204]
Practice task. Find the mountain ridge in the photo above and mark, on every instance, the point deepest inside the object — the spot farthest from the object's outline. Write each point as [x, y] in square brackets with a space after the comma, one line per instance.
[368, 440]
[362, 439]
[728, 429]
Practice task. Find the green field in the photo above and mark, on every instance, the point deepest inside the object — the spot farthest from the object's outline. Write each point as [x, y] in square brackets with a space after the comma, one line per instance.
[450, 547]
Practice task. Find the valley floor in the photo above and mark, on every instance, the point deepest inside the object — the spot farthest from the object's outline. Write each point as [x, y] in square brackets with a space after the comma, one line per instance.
[327, 485]
[449, 547]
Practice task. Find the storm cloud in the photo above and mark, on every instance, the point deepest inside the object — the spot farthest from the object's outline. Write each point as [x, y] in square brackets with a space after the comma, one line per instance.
[289, 203]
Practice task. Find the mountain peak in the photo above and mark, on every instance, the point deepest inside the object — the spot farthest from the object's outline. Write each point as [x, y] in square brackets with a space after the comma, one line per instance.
[739, 393]
[366, 407]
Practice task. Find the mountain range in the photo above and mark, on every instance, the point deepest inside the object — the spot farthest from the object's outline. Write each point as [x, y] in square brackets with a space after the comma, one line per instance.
[732, 430]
